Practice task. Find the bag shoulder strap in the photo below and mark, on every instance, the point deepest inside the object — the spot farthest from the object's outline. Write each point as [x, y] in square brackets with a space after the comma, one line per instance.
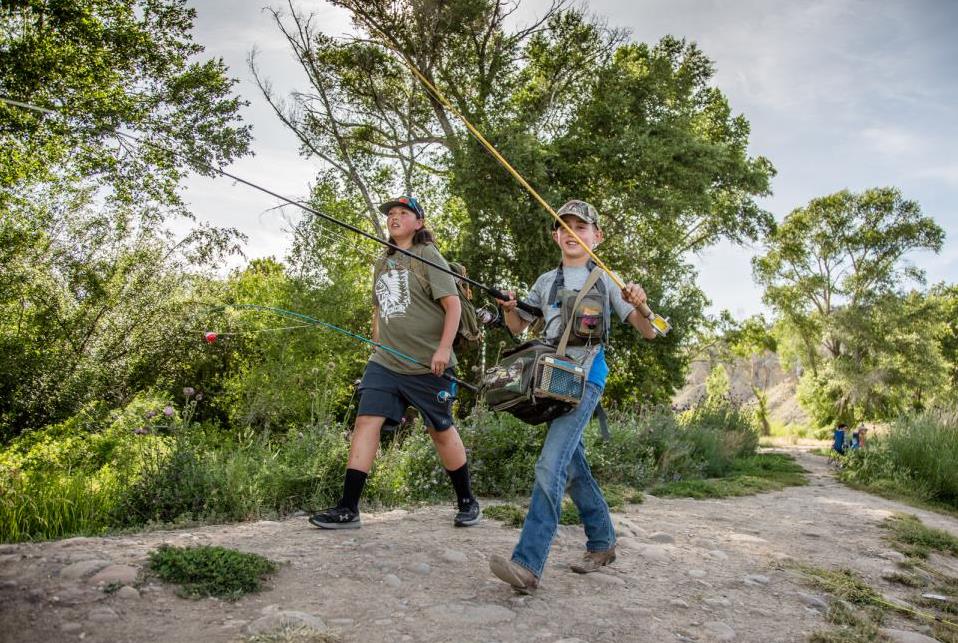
[586, 287]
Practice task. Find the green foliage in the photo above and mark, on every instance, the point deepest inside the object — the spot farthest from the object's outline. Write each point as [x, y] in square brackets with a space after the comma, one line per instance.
[210, 571]
[913, 538]
[105, 66]
[748, 475]
[133, 470]
[918, 458]
[717, 387]
[509, 514]
[835, 273]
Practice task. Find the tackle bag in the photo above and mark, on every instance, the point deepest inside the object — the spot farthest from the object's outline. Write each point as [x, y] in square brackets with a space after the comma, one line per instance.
[535, 381]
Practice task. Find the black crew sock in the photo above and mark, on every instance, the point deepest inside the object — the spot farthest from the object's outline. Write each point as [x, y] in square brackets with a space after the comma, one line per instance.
[353, 488]
[460, 482]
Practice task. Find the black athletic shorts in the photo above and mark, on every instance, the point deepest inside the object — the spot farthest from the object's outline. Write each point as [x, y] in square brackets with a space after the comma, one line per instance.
[385, 393]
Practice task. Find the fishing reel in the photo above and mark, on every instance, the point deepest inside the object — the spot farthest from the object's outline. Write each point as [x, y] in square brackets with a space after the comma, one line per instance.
[489, 316]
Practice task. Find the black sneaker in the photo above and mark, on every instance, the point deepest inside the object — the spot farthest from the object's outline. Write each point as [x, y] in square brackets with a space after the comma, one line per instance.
[336, 518]
[469, 514]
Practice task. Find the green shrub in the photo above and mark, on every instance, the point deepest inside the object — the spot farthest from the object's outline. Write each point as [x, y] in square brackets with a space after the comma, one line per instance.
[210, 571]
[918, 457]
[502, 453]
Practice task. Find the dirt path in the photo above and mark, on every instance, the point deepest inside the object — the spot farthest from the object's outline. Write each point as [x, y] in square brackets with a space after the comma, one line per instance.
[687, 570]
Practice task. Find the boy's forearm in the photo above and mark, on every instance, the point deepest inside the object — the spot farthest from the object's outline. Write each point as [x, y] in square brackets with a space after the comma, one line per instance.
[514, 322]
[375, 329]
[641, 324]
[450, 323]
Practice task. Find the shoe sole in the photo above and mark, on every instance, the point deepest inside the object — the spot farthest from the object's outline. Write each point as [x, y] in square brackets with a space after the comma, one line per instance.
[469, 523]
[356, 524]
[504, 572]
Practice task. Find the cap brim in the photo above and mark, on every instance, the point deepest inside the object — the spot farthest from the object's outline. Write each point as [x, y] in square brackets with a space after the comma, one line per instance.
[555, 224]
[389, 205]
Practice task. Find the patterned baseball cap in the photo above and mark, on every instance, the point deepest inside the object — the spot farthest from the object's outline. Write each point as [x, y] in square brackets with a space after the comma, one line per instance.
[579, 209]
[408, 202]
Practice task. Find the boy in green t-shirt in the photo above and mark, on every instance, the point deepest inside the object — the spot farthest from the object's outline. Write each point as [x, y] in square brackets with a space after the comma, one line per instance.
[417, 316]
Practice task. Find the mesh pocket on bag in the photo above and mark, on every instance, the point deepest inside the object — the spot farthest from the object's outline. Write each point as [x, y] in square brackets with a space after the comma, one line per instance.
[559, 379]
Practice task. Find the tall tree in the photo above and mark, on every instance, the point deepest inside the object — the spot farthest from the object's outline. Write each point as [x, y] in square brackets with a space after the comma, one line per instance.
[844, 250]
[638, 130]
[103, 66]
[91, 281]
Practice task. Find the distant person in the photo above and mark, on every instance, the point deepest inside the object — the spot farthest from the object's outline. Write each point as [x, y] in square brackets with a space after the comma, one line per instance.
[839, 443]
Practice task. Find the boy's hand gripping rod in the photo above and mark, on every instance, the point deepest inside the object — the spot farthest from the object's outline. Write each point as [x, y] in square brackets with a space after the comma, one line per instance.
[660, 325]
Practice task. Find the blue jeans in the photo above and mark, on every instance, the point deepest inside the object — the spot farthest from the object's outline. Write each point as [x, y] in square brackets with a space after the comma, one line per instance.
[561, 463]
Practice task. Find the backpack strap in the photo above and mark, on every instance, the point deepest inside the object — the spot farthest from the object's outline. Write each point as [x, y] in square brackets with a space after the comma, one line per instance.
[586, 287]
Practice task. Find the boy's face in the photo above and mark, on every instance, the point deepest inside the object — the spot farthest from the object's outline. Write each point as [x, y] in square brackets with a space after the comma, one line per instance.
[402, 222]
[571, 249]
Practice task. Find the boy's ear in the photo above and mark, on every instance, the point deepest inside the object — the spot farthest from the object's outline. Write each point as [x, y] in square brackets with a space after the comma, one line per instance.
[599, 237]
[555, 235]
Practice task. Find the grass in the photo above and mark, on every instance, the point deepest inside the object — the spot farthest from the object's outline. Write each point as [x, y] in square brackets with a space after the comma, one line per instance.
[210, 571]
[616, 495]
[749, 475]
[511, 515]
[915, 539]
[851, 627]
[914, 461]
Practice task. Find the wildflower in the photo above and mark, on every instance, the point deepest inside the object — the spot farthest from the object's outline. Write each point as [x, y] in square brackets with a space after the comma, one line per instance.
[141, 431]
[199, 396]
[188, 391]
[210, 337]
[151, 413]
[168, 411]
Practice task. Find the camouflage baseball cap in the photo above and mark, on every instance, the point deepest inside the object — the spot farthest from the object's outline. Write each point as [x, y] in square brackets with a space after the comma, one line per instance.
[579, 209]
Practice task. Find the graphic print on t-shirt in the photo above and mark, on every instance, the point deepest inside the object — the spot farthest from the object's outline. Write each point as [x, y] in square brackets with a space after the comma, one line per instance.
[392, 293]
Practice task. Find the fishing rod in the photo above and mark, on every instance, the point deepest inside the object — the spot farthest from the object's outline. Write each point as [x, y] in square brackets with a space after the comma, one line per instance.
[495, 292]
[318, 322]
[660, 325]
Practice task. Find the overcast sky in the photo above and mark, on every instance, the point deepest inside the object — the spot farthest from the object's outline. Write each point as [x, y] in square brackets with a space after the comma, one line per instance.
[840, 94]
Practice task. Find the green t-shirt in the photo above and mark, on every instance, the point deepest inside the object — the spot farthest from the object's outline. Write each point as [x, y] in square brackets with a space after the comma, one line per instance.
[410, 315]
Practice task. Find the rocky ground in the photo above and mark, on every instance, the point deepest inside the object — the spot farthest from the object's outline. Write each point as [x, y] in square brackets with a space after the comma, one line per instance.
[688, 570]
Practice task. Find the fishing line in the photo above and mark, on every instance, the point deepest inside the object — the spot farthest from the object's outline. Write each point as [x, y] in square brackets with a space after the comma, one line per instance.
[318, 322]
[495, 292]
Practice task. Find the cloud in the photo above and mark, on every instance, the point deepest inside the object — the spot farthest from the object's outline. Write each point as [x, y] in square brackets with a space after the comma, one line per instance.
[892, 141]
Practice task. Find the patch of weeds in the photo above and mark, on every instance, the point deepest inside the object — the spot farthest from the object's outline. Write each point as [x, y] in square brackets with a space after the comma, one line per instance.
[749, 475]
[294, 635]
[210, 571]
[913, 538]
[844, 584]
[852, 628]
[570, 515]
[511, 515]
[619, 495]
[908, 580]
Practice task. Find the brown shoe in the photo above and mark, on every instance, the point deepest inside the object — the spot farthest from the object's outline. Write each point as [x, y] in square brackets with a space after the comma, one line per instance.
[521, 579]
[593, 560]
